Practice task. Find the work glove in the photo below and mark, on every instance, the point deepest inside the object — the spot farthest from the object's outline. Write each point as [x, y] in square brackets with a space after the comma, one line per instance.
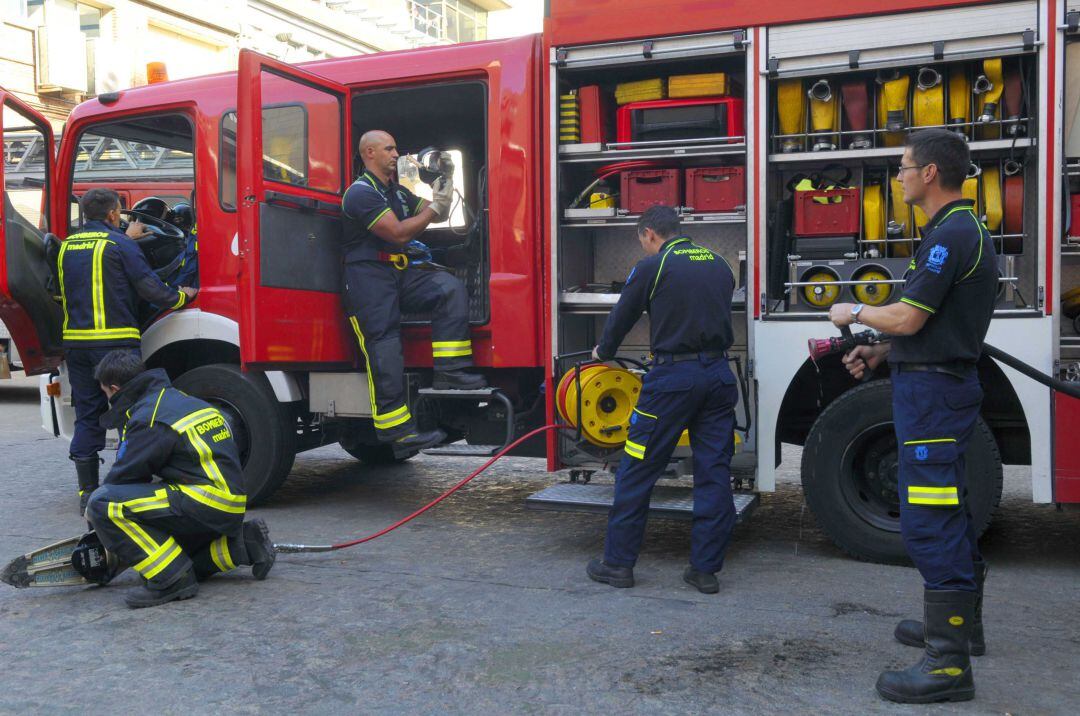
[442, 198]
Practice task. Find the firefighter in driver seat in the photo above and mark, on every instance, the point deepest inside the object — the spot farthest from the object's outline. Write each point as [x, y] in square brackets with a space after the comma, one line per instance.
[190, 525]
[382, 221]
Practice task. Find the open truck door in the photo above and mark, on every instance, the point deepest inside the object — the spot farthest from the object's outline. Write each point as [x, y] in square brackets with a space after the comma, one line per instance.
[292, 166]
[27, 283]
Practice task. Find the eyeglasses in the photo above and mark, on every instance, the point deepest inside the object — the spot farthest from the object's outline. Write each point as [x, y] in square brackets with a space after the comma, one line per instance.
[902, 169]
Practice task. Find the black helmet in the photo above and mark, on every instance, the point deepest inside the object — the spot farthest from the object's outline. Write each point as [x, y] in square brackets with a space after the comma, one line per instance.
[181, 216]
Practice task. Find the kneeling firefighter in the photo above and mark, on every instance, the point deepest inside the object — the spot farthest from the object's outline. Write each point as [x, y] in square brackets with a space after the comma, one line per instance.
[388, 271]
[190, 525]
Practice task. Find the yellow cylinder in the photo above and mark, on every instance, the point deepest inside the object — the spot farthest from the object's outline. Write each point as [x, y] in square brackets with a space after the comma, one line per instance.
[873, 218]
[791, 111]
[823, 293]
[959, 97]
[991, 197]
[874, 292]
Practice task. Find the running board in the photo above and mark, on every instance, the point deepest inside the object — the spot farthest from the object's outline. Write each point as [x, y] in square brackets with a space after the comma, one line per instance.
[668, 502]
[464, 450]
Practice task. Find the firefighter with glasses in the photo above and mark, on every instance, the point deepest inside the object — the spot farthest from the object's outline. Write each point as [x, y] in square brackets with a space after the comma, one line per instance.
[190, 524]
[103, 274]
[937, 330]
[386, 272]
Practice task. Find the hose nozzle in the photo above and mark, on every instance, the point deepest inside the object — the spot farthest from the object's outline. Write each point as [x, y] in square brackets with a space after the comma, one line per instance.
[982, 85]
[927, 78]
[820, 91]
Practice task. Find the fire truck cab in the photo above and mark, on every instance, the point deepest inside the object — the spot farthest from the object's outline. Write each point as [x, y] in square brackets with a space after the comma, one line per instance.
[784, 167]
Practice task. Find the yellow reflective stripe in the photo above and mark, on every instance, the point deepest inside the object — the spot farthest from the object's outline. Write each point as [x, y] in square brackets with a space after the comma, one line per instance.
[90, 334]
[916, 304]
[647, 415]
[88, 235]
[63, 291]
[156, 563]
[367, 363]
[219, 552]
[97, 284]
[978, 259]
[157, 501]
[451, 344]
[180, 301]
[923, 495]
[134, 532]
[206, 460]
[949, 671]
[662, 260]
[451, 353]
[932, 440]
[393, 419]
[381, 215]
[191, 419]
[635, 450]
[156, 405]
[210, 497]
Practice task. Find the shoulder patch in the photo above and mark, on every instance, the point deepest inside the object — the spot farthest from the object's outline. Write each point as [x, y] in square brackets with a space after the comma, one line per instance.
[935, 261]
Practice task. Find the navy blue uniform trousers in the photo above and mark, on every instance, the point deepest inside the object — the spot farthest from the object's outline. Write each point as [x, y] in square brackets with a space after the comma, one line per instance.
[934, 414]
[699, 395]
[87, 399]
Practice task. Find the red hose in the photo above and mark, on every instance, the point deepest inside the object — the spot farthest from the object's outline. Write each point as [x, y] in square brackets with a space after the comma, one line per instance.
[293, 548]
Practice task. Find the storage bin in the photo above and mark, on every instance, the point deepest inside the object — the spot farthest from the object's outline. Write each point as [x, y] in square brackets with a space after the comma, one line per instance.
[675, 119]
[643, 188]
[715, 189]
[838, 215]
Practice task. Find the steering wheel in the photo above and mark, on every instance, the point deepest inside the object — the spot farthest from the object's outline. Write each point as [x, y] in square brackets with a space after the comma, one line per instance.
[159, 228]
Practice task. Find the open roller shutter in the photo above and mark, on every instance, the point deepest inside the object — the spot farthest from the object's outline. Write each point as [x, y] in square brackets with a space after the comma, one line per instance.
[663, 48]
[903, 39]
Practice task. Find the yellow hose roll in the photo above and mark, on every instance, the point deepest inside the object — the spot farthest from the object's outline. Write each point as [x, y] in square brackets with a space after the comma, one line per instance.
[608, 397]
[896, 103]
[970, 190]
[991, 197]
[959, 96]
[993, 71]
[901, 212]
[928, 103]
[888, 139]
[871, 293]
[791, 112]
[919, 219]
[874, 216]
[824, 113]
[823, 295]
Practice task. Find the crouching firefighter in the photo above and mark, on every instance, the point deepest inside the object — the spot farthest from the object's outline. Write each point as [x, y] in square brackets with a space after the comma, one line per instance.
[190, 525]
[382, 278]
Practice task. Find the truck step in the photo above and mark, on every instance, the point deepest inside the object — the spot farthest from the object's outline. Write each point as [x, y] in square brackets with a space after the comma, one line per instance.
[668, 501]
[478, 393]
[464, 450]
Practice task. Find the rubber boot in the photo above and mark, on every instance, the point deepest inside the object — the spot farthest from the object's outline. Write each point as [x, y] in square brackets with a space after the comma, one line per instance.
[413, 443]
[910, 631]
[186, 587]
[944, 671]
[87, 472]
[458, 380]
[599, 571]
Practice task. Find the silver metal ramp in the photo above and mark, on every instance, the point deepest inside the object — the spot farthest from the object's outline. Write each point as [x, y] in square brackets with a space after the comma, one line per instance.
[668, 501]
[464, 450]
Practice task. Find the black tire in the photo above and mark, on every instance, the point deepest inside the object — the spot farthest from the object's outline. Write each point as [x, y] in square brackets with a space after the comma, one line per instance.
[849, 474]
[257, 420]
[373, 454]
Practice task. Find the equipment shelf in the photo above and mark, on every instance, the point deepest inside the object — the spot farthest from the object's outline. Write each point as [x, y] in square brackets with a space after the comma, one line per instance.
[726, 146]
[601, 303]
[631, 220]
[884, 152]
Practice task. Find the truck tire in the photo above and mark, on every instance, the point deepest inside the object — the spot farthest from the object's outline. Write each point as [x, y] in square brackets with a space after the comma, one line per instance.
[262, 427]
[849, 468]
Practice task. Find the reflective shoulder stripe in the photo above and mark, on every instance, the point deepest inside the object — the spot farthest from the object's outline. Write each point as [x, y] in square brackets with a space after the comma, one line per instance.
[157, 405]
[89, 334]
[662, 260]
[193, 418]
[982, 240]
[88, 235]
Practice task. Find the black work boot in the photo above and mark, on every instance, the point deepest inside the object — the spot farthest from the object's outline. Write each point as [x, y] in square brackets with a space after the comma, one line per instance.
[413, 443]
[944, 671]
[458, 380]
[910, 631]
[704, 582]
[621, 577]
[259, 549]
[86, 472]
[185, 587]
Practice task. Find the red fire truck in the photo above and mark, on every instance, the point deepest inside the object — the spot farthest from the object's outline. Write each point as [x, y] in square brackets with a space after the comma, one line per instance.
[776, 127]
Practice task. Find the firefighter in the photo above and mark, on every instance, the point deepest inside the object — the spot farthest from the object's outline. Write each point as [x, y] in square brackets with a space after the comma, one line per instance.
[102, 274]
[687, 291]
[938, 328]
[190, 525]
[382, 221]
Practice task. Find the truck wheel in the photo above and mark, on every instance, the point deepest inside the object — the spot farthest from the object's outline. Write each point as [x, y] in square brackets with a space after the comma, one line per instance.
[849, 471]
[262, 427]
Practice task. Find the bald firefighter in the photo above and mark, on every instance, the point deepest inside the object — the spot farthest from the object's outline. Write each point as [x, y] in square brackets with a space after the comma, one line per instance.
[188, 525]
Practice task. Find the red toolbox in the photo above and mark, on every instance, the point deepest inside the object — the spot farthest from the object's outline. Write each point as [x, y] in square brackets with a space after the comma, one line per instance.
[827, 212]
[715, 189]
[674, 119]
[595, 120]
[643, 188]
